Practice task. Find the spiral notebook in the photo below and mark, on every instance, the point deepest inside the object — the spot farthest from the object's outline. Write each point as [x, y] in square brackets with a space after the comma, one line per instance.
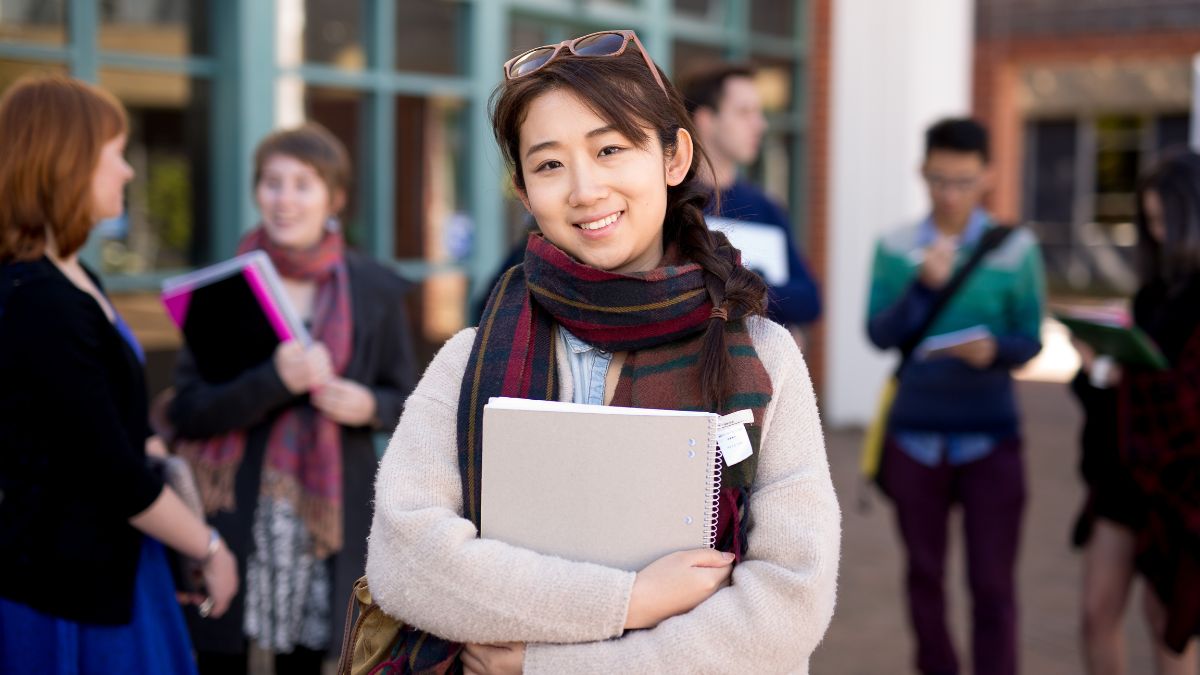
[616, 486]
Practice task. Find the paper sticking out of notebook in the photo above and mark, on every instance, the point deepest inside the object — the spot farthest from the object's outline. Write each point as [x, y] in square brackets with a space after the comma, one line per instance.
[936, 346]
[620, 487]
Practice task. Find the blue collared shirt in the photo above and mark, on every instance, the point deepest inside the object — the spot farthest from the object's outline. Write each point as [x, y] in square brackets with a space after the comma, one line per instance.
[928, 447]
[977, 224]
[589, 368]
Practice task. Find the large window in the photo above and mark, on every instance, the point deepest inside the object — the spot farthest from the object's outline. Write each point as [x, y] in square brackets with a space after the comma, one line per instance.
[153, 56]
[42, 22]
[167, 204]
[1080, 193]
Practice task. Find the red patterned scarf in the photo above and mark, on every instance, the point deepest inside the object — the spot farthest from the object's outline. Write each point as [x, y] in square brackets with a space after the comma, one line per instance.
[304, 448]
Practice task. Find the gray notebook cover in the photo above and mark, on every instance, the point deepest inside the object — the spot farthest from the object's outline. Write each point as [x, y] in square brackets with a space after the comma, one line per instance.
[616, 486]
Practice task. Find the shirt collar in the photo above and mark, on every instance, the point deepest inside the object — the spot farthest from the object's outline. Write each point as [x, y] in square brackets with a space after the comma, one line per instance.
[576, 345]
[977, 223]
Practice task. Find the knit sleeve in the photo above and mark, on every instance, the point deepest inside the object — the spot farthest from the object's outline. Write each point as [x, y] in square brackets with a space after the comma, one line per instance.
[773, 615]
[425, 563]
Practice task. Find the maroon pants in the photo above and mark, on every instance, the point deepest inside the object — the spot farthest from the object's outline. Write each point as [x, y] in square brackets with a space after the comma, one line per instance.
[991, 491]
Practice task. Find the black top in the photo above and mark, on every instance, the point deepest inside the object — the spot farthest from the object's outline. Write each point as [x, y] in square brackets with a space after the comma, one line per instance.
[381, 359]
[72, 461]
[1169, 313]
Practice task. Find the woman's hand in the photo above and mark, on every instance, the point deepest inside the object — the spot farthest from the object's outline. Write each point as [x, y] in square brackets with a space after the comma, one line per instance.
[675, 584]
[301, 369]
[503, 659]
[1087, 355]
[345, 402]
[1102, 371]
[220, 580]
[155, 447]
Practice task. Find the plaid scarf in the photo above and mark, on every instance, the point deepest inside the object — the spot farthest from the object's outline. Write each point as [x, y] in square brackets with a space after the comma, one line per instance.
[658, 317]
[303, 462]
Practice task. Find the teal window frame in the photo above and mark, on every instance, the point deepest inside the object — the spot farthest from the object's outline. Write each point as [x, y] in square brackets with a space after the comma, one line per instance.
[243, 73]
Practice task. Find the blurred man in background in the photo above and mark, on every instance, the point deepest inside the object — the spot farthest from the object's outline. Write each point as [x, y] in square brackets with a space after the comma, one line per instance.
[728, 113]
[953, 432]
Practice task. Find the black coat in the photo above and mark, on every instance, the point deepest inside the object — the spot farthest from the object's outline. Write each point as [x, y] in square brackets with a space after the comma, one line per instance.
[72, 450]
[381, 359]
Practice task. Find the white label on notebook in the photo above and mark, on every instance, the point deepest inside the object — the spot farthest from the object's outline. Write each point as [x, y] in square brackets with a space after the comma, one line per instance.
[732, 438]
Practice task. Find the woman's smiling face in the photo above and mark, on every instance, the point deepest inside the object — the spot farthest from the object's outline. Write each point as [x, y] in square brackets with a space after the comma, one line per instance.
[596, 194]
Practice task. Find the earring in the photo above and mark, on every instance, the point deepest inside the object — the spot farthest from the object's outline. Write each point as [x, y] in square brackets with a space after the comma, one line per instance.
[332, 224]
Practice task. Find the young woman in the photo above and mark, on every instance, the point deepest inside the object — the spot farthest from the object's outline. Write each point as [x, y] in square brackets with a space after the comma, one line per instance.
[84, 581]
[284, 453]
[1152, 523]
[603, 155]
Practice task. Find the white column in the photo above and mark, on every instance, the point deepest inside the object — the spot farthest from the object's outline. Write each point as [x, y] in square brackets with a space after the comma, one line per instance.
[289, 53]
[897, 68]
[1195, 127]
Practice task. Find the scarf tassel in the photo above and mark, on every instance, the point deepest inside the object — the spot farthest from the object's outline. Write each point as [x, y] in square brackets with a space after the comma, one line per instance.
[322, 516]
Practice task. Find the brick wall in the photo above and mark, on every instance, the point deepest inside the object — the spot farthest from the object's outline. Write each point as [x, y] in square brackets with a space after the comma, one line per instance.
[821, 22]
[999, 61]
[1058, 18]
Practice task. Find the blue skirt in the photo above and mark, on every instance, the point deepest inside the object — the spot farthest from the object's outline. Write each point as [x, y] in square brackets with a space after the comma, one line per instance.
[155, 641]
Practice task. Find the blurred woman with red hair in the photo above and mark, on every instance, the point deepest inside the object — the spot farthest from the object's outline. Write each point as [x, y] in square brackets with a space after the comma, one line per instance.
[84, 581]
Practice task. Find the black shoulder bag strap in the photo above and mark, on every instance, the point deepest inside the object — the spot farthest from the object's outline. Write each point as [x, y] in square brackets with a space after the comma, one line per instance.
[990, 241]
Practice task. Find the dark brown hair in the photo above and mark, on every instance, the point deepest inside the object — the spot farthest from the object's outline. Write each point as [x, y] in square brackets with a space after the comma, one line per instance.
[704, 87]
[52, 129]
[314, 145]
[623, 93]
[1176, 181]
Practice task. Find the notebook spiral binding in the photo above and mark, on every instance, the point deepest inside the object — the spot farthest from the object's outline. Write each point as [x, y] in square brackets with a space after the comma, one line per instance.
[714, 487]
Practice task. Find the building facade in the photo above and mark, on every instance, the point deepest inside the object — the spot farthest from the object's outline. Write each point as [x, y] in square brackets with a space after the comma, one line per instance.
[405, 85]
[1082, 96]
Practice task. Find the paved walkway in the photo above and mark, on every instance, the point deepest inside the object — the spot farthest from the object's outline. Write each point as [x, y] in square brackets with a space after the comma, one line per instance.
[869, 635]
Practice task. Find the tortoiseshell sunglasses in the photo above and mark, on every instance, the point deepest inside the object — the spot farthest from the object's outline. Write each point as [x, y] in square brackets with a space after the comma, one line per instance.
[604, 43]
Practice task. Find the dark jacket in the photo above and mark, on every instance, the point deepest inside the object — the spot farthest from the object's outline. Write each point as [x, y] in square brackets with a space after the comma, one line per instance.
[72, 450]
[1160, 421]
[381, 359]
[798, 300]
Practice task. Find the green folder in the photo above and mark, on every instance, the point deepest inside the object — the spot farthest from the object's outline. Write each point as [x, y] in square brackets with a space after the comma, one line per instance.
[1129, 346]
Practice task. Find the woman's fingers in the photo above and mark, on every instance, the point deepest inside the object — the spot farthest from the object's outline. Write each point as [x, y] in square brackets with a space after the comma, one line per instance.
[709, 557]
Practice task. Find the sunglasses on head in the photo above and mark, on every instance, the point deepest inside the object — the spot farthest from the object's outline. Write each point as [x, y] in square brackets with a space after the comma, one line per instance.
[604, 43]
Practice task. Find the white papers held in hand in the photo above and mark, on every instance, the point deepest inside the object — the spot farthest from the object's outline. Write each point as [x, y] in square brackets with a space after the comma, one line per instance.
[938, 346]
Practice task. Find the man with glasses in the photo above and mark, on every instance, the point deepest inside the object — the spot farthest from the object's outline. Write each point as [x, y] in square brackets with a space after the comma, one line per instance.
[953, 434]
[728, 114]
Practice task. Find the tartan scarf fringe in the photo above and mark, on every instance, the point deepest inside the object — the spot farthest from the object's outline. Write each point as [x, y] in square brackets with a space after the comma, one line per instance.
[322, 517]
[214, 479]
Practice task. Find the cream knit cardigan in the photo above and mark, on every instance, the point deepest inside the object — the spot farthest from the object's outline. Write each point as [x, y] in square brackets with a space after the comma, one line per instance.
[427, 567]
